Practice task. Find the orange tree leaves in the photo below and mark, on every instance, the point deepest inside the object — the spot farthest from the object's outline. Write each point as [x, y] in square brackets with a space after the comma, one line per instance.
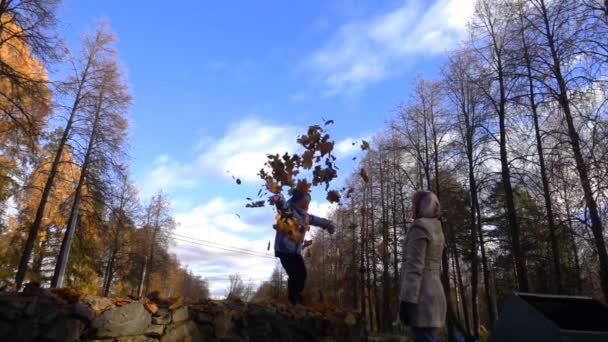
[280, 172]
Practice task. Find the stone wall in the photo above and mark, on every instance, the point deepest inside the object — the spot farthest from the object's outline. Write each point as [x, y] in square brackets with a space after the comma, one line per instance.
[51, 318]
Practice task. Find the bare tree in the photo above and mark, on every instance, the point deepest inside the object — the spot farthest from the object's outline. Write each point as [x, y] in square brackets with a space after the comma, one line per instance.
[85, 70]
[559, 29]
[106, 134]
[493, 20]
[159, 225]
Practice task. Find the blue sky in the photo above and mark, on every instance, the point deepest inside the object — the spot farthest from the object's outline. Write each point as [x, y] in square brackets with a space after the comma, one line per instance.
[217, 85]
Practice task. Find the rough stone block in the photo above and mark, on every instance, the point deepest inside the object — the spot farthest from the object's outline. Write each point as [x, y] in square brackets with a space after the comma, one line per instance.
[181, 314]
[129, 320]
[155, 330]
[184, 332]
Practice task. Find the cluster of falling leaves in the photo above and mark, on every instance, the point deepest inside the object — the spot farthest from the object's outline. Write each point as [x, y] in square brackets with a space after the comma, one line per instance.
[282, 172]
[286, 171]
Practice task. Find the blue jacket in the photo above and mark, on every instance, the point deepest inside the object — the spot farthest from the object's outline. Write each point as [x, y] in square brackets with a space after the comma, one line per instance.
[283, 245]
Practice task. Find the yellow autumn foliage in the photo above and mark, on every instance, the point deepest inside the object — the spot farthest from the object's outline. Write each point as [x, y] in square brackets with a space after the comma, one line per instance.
[65, 183]
[33, 95]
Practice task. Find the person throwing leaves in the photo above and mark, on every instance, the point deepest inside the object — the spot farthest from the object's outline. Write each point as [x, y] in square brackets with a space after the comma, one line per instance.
[293, 221]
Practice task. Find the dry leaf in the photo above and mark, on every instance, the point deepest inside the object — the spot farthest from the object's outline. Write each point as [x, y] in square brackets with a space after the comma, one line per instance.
[273, 186]
[256, 204]
[333, 196]
[151, 308]
[364, 175]
[364, 145]
[329, 122]
[303, 185]
[178, 303]
[238, 181]
[326, 147]
[307, 159]
[121, 302]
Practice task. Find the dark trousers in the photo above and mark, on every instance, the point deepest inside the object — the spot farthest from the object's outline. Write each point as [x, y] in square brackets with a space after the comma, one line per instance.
[296, 272]
[424, 334]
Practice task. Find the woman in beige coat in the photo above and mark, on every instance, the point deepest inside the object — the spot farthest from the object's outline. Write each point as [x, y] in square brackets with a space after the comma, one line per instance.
[422, 299]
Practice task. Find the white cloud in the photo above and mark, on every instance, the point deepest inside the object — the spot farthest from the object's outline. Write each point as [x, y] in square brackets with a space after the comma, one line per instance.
[167, 174]
[239, 152]
[366, 51]
[242, 149]
[349, 146]
[216, 221]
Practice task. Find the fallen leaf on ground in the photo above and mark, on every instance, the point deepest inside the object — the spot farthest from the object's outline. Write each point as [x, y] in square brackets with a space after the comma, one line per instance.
[151, 308]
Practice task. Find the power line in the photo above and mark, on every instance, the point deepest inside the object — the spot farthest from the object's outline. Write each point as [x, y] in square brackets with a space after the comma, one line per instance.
[225, 248]
[214, 243]
[217, 244]
[206, 242]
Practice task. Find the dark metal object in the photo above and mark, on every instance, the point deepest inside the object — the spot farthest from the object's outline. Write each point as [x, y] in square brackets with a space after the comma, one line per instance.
[528, 317]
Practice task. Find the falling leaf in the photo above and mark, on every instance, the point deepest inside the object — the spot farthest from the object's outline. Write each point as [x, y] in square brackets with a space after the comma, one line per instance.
[349, 192]
[303, 185]
[122, 302]
[238, 181]
[354, 143]
[273, 186]
[364, 145]
[268, 248]
[329, 122]
[256, 204]
[237, 215]
[177, 303]
[307, 159]
[326, 147]
[333, 196]
[364, 175]
[151, 308]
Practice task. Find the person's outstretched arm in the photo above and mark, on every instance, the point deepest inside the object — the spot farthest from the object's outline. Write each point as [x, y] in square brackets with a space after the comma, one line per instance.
[323, 223]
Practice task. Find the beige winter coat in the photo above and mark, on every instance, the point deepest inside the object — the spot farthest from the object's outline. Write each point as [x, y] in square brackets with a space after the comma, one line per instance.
[421, 273]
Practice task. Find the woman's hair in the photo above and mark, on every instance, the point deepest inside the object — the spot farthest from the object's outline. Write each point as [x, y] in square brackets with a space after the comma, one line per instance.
[425, 204]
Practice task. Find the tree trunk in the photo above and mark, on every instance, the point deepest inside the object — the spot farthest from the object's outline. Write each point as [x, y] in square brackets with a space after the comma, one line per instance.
[487, 276]
[541, 159]
[564, 101]
[48, 186]
[109, 275]
[386, 283]
[463, 294]
[362, 259]
[64, 253]
[377, 308]
[520, 262]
